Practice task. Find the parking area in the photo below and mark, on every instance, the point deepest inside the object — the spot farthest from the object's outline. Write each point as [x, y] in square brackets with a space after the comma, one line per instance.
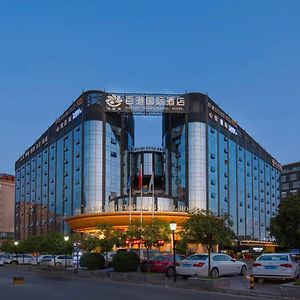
[234, 284]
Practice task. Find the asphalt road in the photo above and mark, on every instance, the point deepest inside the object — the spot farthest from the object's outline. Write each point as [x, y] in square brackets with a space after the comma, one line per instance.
[40, 286]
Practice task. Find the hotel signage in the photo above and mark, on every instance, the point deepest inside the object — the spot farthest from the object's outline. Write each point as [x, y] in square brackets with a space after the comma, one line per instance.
[145, 103]
[68, 116]
[218, 116]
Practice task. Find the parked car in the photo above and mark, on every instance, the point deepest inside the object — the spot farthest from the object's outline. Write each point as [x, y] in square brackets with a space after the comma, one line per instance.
[161, 264]
[142, 253]
[57, 261]
[221, 264]
[22, 259]
[109, 257]
[1, 260]
[7, 258]
[276, 265]
[36, 260]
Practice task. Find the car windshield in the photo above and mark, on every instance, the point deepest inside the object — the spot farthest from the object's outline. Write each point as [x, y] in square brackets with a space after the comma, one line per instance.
[198, 257]
[274, 257]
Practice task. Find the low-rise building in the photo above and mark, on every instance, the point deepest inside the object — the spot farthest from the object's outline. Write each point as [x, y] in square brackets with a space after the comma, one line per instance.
[7, 205]
[290, 180]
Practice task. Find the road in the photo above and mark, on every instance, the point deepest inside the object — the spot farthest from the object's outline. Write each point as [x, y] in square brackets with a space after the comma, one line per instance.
[40, 286]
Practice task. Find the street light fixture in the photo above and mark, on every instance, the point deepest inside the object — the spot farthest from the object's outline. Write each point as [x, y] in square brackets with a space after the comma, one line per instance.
[173, 226]
[16, 243]
[66, 238]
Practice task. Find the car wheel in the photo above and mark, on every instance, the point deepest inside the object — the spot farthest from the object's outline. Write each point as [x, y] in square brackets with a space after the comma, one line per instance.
[14, 262]
[185, 276]
[170, 272]
[243, 271]
[58, 264]
[214, 272]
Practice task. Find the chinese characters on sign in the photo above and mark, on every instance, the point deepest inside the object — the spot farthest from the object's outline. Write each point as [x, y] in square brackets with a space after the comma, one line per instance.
[145, 103]
[218, 116]
[43, 141]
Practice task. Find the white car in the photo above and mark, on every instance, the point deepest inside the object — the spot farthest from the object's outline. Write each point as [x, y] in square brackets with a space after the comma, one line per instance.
[221, 264]
[22, 259]
[36, 260]
[57, 261]
[7, 258]
[1, 260]
[276, 265]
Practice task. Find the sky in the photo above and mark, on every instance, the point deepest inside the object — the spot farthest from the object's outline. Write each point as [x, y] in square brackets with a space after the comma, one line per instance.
[244, 54]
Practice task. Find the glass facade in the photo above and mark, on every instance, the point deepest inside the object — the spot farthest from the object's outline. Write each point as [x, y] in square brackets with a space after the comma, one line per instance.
[93, 171]
[197, 165]
[226, 171]
[83, 162]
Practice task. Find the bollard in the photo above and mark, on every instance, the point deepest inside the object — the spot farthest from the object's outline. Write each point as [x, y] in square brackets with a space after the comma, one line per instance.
[18, 280]
[251, 281]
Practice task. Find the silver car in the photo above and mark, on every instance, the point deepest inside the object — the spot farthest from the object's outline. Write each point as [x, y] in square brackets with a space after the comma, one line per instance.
[57, 261]
[22, 259]
[276, 265]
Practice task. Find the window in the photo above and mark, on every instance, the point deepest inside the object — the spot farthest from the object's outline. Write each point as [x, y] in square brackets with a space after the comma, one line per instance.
[296, 184]
[293, 177]
[212, 155]
[285, 186]
[212, 169]
[113, 154]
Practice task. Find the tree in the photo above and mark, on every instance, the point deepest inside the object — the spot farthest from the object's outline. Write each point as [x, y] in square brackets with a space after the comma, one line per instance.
[207, 229]
[8, 246]
[89, 243]
[149, 234]
[108, 238]
[285, 227]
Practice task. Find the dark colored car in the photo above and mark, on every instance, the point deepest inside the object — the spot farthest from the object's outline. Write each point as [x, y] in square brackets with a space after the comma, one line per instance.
[161, 264]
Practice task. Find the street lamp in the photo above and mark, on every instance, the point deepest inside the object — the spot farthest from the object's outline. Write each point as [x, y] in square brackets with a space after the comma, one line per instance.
[16, 243]
[173, 226]
[66, 238]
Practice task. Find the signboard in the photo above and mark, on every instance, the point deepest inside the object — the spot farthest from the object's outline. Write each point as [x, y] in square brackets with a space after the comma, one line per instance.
[145, 103]
[224, 120]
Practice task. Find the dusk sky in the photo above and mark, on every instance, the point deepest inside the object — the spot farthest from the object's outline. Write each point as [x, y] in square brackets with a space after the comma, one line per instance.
[244, 54]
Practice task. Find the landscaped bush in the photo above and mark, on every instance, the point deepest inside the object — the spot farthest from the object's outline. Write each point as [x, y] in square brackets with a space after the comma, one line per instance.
[126, 261]
[92, 261]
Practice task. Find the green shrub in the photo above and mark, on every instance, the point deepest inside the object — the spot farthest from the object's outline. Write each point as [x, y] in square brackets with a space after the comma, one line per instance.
[92, 260]
[126, 261]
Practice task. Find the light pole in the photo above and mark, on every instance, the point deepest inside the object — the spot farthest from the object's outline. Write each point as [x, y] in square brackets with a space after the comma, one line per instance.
[173, 226]
[66, 238]
[16, 247]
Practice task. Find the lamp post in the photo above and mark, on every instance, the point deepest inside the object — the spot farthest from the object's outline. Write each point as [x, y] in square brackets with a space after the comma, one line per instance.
[66, 238]
[173, 226]
[16, 243]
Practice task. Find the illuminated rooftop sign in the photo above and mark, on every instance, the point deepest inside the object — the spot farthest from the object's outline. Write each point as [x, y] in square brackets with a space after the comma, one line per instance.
[145, 103]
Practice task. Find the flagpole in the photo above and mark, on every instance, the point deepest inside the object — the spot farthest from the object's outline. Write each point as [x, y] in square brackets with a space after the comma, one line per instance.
[130, 205]
[153, 196]
[141, 216]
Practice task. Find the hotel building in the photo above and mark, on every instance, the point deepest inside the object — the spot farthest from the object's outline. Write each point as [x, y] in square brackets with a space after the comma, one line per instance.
[84, 169]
